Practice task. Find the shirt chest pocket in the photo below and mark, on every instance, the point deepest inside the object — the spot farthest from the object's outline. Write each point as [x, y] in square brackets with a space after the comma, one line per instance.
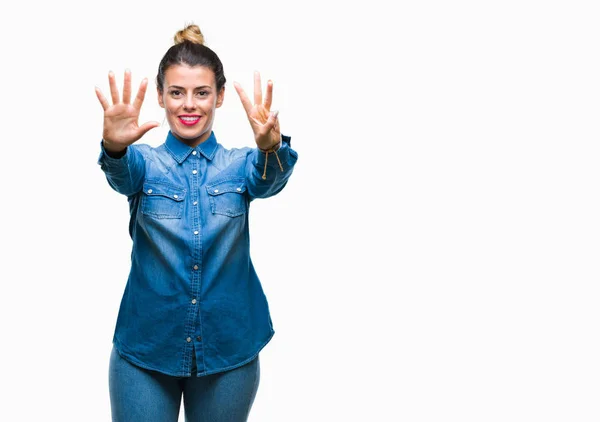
[228, 197]
[162, 200]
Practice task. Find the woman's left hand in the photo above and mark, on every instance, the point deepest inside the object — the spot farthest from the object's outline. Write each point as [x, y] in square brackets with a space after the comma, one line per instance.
[264, 122]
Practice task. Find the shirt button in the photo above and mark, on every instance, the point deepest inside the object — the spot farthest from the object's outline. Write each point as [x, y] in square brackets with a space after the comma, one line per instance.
[188, 339]
[194, 171]
[239, 189]
[195, 267]
[175, 196]
[195, 202]
[216, 190]
[149, 190]
[194, 153]
[198, 338]
[195, 231]
[193, 301]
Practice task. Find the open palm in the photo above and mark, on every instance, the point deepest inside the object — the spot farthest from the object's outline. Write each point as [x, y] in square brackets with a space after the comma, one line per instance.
[121, 127]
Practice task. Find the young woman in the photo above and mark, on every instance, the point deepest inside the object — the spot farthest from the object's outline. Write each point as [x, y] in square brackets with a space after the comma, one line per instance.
[193, 316]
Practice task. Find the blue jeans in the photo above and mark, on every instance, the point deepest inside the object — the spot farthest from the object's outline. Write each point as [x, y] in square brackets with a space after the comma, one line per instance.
[142, 395]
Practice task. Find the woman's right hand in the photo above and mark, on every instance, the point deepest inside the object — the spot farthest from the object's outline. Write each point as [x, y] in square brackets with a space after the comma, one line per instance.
[121, 118]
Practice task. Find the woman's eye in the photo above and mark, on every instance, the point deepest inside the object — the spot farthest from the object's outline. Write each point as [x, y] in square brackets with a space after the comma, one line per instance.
[203, 93]
[175, 93]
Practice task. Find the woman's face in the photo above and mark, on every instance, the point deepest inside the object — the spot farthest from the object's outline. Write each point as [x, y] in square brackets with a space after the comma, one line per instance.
[190, 99]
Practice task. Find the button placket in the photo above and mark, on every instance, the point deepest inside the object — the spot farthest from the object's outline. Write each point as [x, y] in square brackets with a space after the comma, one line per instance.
[193, 318]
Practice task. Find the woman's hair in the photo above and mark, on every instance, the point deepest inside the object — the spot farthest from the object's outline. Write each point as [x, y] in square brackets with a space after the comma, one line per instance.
[189, 49]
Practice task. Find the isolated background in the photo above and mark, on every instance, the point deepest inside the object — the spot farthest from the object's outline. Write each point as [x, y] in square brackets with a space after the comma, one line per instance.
[434, 256]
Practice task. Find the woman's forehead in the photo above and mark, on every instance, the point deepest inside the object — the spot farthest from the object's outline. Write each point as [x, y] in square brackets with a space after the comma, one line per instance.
[189, 76]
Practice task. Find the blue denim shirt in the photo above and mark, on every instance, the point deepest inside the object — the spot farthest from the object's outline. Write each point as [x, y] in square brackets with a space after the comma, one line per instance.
[192, 291]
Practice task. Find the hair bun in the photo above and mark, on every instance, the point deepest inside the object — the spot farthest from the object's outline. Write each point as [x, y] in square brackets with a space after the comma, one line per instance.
[190, 33]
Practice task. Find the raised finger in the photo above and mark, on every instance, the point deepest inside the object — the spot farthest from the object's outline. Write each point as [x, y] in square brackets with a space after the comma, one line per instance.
[244, 98]
[114, 92]
[139, 98]
[257, 89]
[269, 95]
[127, 87]
[102, 99]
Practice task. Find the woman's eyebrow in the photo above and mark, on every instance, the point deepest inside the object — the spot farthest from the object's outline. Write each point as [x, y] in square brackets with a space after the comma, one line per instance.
[183, 89]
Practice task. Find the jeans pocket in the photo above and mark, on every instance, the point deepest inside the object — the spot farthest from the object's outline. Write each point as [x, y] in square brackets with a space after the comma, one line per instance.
[228, 197]
[162, 200]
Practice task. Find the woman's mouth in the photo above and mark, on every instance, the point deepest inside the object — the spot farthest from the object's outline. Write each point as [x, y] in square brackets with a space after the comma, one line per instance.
[189, 120]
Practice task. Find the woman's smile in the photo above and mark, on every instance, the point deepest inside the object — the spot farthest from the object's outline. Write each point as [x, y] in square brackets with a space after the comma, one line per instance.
[189, 119]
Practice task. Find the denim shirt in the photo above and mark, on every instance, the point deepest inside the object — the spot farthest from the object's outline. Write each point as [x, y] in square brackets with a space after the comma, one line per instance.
[192, 292]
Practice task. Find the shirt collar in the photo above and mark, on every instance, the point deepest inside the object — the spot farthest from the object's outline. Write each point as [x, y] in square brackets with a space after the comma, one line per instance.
[180, 151]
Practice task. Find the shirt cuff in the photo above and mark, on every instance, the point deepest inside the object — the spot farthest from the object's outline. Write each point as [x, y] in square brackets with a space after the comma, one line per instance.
[283, 154]
[106, 159]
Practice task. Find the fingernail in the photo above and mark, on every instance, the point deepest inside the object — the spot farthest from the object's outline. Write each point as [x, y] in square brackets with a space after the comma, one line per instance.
[275, 113]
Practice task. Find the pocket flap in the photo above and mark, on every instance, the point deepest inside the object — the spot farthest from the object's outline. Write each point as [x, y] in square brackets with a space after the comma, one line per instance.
[237, 185]
[156, 188]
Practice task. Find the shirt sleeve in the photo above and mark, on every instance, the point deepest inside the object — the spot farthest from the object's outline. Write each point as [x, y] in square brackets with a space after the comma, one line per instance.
[125, 174]
[268, 173]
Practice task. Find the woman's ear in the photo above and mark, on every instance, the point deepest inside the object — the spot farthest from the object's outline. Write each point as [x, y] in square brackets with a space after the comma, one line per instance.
[160, 98]
[220, 97]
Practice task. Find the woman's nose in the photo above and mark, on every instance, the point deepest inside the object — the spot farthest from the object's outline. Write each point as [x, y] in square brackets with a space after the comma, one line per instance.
[189, 103]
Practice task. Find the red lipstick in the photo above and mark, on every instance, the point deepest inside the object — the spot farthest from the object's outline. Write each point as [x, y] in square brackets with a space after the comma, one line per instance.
[189, 119]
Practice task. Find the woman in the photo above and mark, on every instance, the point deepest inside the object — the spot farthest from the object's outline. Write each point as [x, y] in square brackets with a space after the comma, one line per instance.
[193, 317]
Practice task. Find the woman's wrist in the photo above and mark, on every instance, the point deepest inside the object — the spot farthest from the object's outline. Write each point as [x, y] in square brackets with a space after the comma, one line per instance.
[112, 151]
[273, 148]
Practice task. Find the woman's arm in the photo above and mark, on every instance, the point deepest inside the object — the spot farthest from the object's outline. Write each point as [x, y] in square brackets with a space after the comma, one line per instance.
[267, 174]
[124, 173]
[269, 166]
[124, 166]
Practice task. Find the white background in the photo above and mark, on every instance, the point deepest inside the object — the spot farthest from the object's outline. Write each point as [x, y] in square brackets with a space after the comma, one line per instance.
[434, 257]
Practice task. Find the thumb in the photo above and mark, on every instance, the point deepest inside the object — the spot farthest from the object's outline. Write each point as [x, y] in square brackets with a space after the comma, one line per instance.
[147, 126]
